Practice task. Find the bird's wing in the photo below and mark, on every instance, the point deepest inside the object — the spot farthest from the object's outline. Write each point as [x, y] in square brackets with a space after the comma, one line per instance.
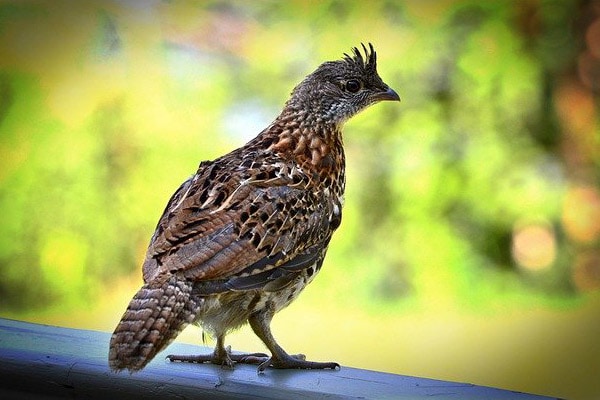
[236, 226]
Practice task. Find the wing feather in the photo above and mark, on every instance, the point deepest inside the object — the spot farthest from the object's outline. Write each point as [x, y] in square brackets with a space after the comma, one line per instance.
[236, 227]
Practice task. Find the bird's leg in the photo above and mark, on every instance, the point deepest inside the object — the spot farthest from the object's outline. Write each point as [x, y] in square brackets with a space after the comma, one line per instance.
[260, 323]
[221, 356]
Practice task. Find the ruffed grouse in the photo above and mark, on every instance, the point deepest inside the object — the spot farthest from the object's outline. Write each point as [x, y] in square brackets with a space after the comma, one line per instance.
[241, 238]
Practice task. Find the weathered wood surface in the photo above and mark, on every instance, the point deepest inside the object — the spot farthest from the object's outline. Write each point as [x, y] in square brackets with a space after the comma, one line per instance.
[38, 361]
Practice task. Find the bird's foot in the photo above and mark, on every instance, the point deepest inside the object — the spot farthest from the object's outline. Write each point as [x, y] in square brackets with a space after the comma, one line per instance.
[223, 358]
[296, 361]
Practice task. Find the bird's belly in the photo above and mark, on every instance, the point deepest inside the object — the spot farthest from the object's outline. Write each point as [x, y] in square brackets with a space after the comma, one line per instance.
[227, 311]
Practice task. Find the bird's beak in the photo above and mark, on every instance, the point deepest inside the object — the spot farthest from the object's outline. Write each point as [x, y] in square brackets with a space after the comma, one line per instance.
[388, 94]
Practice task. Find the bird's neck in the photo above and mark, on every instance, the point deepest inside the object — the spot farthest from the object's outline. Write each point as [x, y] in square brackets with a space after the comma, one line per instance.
[313, 144]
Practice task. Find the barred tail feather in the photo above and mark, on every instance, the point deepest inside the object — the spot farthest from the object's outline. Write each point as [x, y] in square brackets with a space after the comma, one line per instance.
[154, 317]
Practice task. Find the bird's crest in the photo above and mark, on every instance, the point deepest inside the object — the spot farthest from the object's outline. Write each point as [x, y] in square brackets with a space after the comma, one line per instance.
[368, 63]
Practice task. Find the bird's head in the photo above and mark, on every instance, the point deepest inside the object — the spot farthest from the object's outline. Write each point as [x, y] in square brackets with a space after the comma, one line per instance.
[338, 90]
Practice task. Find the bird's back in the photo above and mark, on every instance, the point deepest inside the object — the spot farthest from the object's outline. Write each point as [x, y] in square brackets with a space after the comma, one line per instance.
[251, 210]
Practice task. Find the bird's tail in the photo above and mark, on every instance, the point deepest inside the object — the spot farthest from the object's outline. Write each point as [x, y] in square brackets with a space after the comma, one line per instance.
[154, 317]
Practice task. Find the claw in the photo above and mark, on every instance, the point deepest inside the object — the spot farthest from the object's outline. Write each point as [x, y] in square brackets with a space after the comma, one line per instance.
[297, 361]
[225, 359]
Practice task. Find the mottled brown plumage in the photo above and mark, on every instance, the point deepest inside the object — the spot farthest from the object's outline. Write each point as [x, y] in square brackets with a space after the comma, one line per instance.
[242, 237]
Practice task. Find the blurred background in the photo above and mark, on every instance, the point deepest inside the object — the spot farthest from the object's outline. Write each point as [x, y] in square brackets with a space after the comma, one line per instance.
[470, 246]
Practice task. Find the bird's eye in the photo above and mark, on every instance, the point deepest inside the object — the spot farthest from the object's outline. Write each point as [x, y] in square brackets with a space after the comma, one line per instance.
[353, 86]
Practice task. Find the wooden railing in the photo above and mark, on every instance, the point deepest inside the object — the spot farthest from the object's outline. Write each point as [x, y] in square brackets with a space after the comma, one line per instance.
[38, 361]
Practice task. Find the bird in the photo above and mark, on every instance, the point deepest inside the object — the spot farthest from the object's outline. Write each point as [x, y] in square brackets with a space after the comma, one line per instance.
[242, 237]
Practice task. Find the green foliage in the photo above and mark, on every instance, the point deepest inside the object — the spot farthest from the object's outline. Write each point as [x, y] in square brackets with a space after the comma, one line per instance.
[104, 110]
